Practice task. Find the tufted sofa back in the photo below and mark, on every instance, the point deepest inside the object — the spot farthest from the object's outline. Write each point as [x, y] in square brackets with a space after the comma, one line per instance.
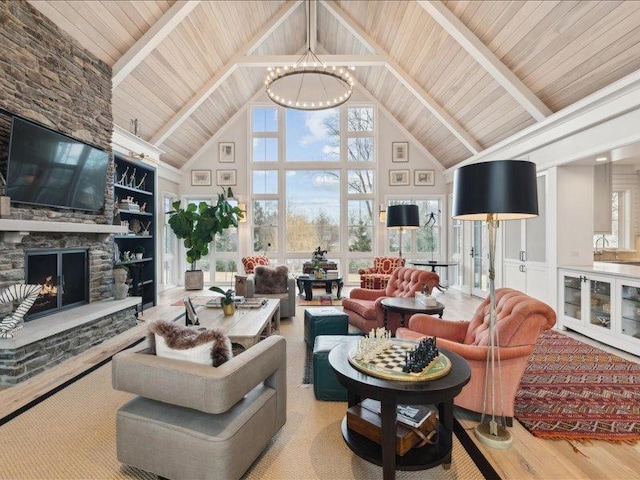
[405, 282]
[519, 319]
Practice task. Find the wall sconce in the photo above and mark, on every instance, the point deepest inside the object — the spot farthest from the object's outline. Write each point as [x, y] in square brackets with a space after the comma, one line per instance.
[243, 207]
[382, 214]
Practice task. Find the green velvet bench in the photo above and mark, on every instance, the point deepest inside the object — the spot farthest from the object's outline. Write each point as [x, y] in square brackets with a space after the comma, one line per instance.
[325, 383]
[324, 321]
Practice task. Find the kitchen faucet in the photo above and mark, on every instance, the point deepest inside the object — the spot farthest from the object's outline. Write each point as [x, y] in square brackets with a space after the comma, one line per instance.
[605, 242]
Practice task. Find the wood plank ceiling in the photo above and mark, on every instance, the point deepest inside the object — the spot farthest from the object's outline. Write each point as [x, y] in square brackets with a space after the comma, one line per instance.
[459, 75]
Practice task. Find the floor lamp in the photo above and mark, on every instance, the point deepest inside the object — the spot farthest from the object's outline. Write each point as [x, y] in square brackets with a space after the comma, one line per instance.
[494, 191]
[403, 217]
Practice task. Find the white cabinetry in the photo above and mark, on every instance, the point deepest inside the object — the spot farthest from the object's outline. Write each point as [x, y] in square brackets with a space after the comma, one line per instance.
[525, 251]
[605, 308]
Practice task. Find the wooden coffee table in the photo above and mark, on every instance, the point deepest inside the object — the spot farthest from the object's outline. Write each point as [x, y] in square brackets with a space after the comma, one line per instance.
[247, 325]
[408, 306]
[439, 392]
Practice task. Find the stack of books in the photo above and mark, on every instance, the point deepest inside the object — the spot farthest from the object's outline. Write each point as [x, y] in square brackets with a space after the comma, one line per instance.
[332, 274]
[412, 415]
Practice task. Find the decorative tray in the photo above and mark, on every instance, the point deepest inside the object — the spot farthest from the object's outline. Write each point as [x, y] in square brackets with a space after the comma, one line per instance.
[388, 364]
[246, 303]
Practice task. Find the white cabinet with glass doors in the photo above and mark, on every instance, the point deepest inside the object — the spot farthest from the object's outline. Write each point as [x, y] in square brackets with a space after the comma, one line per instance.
[605, 308]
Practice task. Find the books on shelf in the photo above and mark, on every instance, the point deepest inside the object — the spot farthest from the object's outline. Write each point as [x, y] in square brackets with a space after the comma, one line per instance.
[412, 415]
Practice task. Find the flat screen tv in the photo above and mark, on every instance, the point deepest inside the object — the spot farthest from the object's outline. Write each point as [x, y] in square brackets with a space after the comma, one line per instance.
[52, 169]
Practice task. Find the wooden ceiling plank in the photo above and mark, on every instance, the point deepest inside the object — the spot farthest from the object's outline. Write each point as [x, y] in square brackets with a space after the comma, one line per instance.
[355, 32]
[218, 79]
[151, 39]
[70, 21]
[187, 109]
[393, 66]
[608, 34]
[485, 57]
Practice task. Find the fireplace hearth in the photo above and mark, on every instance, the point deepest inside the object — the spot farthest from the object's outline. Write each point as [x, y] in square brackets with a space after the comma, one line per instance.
[64, 276]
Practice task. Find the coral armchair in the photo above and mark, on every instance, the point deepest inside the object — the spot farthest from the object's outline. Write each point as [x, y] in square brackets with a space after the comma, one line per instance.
[519, 321]
[377, 277]
[364, 306]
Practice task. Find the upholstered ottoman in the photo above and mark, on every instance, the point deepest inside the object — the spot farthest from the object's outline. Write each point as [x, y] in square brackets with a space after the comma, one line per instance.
[325, 383]
[324, 321]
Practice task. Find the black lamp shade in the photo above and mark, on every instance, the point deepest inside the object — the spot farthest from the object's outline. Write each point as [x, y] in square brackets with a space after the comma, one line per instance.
[403, 216]
[505, 188]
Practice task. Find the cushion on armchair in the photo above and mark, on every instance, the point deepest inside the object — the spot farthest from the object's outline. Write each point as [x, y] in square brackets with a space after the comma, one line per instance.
[208, 347]
[250, 263]
[271, 280]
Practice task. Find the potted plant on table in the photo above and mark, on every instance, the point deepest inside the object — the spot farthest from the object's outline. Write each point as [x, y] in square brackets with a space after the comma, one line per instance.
[318, 271]
[228, 305]
[197, 225]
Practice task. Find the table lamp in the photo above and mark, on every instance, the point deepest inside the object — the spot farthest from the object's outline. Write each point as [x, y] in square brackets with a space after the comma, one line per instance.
[403, 217]
[494, 191]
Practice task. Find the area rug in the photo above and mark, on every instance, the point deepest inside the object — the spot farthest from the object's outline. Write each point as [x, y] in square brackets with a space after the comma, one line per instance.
[317, 301]
[573, 391]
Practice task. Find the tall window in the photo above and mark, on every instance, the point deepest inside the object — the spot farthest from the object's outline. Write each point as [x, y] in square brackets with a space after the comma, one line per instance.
[320, 181]
[620, 228]
[426, 241]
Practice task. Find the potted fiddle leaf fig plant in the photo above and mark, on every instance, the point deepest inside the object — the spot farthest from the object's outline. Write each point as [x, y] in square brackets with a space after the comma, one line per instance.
[228, 305]
[197, 225]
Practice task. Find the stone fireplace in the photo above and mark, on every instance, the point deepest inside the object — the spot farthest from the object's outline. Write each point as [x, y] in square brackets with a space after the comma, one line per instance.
[54, 81]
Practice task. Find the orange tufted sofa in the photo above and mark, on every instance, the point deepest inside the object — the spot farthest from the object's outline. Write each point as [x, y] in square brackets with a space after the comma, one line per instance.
[519, 321]
[376, 277]
[252, 262]
[363, 305]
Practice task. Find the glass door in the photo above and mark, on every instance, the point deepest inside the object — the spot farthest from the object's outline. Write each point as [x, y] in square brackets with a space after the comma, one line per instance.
[480, 258]
[169, 261]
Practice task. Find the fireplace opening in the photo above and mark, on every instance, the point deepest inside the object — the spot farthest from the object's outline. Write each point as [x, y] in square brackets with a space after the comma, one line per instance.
[64, 276]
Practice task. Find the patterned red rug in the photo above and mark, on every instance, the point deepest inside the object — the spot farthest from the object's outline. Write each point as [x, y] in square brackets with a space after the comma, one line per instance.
[573, 391]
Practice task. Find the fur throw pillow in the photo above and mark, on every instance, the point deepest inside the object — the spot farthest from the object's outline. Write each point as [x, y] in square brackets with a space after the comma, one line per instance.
[271, 280]
[209, 347]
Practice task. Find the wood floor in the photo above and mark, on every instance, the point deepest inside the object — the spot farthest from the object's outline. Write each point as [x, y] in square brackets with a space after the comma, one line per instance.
[529, 457]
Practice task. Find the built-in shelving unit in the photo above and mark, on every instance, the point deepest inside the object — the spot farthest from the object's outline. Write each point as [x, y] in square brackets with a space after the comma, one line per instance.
[134, 196]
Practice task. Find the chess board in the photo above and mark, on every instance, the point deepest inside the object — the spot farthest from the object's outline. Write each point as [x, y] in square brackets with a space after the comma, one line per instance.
[388, 365]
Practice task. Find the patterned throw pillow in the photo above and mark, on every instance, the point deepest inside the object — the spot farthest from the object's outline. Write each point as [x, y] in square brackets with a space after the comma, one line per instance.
[270, 280]
[251, 262]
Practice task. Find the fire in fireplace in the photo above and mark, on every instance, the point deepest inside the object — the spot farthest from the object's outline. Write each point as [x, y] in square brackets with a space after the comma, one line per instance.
[64, 276]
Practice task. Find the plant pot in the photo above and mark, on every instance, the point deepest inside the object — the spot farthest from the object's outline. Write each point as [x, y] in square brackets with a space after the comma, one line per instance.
[319, 274]
[139, 256]
[229, 308]
[193, 280]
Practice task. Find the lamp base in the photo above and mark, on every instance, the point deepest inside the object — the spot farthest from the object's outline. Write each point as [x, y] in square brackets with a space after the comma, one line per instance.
[502, 439]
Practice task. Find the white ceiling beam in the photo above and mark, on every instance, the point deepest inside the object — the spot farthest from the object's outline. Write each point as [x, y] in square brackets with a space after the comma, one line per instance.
[151, 39]
[218, 79]
[263, 61]
[486, 58]
[312, 29]
[394, 67]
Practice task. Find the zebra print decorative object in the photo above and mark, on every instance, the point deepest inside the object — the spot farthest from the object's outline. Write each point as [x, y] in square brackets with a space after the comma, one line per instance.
[26, 293]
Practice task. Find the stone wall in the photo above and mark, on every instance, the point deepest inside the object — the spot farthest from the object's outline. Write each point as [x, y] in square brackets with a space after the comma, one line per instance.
[17, 365]
[47, 77]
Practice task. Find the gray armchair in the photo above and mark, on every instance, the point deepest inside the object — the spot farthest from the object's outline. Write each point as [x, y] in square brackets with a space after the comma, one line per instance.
[196, 421]
[264, 283]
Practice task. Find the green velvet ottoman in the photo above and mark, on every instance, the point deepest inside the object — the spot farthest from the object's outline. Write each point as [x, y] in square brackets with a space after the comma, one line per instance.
[325, 383]
[324, 321]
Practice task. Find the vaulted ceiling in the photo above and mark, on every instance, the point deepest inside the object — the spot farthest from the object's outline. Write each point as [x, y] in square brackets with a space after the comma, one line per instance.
[460, 76]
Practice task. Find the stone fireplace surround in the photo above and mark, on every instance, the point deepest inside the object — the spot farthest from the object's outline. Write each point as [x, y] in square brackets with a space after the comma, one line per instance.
[51, 339]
